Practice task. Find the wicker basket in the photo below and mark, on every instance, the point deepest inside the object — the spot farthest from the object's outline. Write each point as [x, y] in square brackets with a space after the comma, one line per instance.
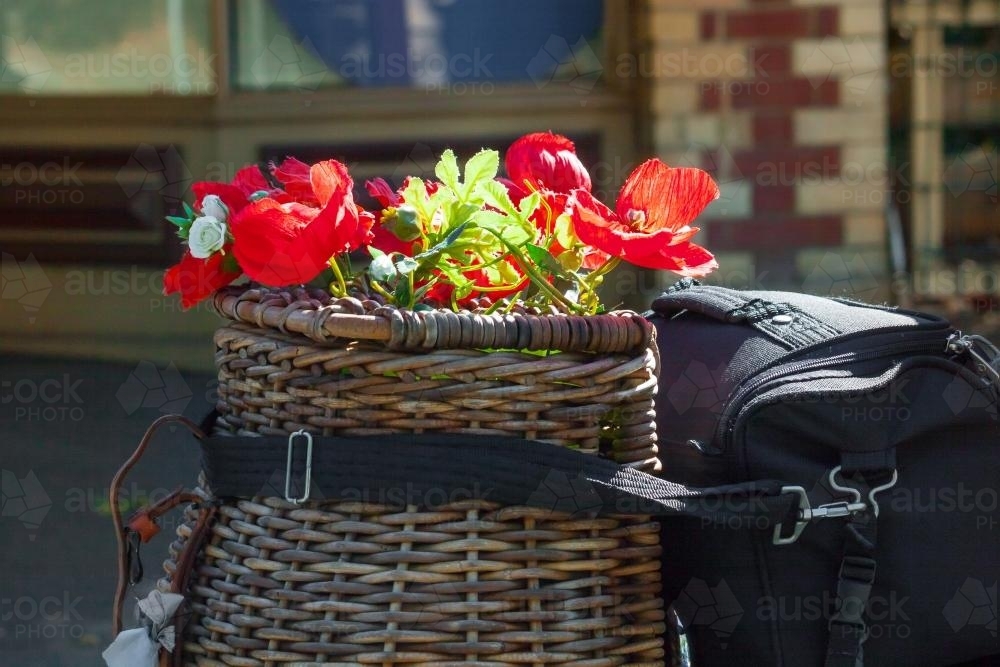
[467, 583]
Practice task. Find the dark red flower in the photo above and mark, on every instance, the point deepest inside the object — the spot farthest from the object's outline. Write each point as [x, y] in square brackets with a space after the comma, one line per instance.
[650, 226]
[196, 279]
[290, 243]
[545, 161]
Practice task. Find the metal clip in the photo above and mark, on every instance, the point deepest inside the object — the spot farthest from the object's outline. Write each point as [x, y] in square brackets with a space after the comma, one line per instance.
[840, 508]
[966, 344]
[288, 466]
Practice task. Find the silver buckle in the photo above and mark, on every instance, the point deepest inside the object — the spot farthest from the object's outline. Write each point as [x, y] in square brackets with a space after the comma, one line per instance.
[835, 509]
[288, 466]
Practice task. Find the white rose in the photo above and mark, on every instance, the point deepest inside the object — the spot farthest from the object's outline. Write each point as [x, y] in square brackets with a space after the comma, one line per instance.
[207, 235]
[213, 207]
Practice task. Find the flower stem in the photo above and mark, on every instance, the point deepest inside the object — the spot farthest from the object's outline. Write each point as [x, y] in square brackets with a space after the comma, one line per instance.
[339, 287]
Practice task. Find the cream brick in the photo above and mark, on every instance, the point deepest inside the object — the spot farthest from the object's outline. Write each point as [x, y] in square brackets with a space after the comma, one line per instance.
[865, 163]
[814, 127]
[704, 129]
[737, 130]
[675, 26]
[866, 19]
[865, 92]
[735, 199]
[705, 4]
[864, 229]
[838, 57]
[716, 61]
[827, 3]
[675, 96]
[831, 196]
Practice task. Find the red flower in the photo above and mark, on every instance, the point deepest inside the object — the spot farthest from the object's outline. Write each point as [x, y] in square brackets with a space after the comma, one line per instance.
[236, 195]
[196, 279]
[295, 175]
[546, 161]
[650, 224]
[286, 244]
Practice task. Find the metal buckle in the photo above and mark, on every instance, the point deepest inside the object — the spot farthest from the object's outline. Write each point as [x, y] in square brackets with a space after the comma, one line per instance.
[288, 466]
[839, 508]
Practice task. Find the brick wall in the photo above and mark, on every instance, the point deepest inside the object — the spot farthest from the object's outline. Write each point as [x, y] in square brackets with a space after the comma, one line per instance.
[785, 102]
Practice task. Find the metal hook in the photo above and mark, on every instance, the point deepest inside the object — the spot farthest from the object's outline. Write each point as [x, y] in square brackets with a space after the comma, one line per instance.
[288, 466]
[832, 479]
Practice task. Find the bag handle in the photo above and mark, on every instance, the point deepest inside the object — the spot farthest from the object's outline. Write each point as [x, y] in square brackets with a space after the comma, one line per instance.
[784, 323]
[142, 524]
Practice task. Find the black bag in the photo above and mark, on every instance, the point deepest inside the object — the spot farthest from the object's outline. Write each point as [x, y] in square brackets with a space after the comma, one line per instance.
[886, 421]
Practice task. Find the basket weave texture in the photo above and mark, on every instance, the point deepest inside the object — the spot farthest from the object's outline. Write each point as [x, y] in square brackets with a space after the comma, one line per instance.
[468, 582]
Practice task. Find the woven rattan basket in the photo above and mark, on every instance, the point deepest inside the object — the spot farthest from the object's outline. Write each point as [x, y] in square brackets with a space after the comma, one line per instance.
[468, 582]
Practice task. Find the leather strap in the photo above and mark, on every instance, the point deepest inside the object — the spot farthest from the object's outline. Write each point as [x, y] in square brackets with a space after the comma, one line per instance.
[144, 516]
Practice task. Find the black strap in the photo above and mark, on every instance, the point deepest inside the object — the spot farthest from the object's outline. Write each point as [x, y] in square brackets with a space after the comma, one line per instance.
[787, 325]
[429, 470]
[848, 629]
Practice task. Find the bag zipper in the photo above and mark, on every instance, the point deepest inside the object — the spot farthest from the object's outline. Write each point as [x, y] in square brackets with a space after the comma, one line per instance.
[756, 382]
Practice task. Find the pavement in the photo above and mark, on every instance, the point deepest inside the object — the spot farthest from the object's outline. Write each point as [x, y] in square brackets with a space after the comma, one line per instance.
[65, 428]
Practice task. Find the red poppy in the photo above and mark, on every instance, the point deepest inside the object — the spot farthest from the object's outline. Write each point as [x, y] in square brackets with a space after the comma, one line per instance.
[296, 178]
[287, 244]
[546, 161]
[196, 279]
[650, 224]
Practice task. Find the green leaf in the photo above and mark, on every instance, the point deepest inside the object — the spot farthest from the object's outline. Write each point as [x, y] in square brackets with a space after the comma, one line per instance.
[529, 204]
[407, 265]
[545, 260]
[375, 252]
[482, 166]
[179, 221]
[447, 169]
[402, 294]
[403, 223]
[188, 210]
[496, 195]
[512, 231]
[229, 263]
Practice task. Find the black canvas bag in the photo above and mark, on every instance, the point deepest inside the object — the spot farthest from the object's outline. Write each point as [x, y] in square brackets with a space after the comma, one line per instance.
[864, 408]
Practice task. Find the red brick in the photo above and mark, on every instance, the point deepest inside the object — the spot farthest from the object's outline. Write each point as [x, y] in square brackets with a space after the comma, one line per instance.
[708, 29]
[711, 96]
[827, 21]
[760, 233]
[771, 198]
[776, 129]
[788, 165]
[770, 60]
[789, 23]
[789, 93]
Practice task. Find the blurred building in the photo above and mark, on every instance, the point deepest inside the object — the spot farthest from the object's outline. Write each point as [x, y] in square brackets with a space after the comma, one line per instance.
[855, 142]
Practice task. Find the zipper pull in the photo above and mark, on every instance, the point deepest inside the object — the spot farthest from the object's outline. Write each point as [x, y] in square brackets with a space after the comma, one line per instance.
[983, 352]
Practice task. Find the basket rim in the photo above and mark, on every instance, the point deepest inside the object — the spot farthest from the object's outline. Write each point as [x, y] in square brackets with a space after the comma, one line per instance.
[323, 318]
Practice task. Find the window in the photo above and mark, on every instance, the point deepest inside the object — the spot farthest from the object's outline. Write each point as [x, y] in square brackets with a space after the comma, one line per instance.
[111, 47]
[426, 44]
